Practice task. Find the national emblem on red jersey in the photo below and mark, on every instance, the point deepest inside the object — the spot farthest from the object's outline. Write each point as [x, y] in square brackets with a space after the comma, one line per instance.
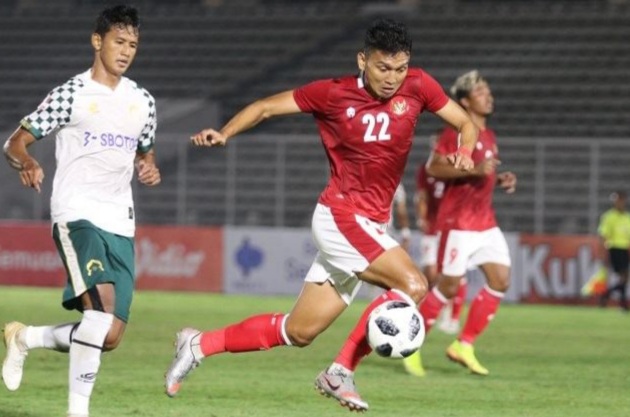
[399, 106]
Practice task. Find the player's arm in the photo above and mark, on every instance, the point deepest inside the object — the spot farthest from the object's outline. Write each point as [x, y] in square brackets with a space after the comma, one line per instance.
[276, 105]
[440, 166]
[148, 172]
[453, 114]
[16, 153]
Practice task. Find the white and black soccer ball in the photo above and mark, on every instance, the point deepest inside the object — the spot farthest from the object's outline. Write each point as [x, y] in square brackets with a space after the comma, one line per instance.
[395, 329]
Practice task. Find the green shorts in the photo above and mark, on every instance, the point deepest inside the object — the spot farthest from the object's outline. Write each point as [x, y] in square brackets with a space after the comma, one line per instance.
[93, 256]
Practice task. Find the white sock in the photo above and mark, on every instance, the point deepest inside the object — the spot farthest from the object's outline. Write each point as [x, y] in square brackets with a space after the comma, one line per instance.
[85, 358]
[49, 337]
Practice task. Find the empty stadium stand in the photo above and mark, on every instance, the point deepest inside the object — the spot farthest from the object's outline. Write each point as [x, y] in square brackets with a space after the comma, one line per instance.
[558, 71]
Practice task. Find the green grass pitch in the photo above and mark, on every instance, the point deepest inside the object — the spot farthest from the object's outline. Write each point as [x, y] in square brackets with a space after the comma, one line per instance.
[544, 361]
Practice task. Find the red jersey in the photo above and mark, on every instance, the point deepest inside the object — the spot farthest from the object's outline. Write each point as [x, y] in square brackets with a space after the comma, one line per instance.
[434, 189]
[367, 140]
[467, 203]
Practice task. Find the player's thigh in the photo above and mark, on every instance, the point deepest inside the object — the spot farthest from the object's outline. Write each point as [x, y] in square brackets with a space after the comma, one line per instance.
[316, 308]
[83, 252]
[353, 247]
[455, 249]
[100, 268]
[347, 244]
[394, 269]
[493, 256]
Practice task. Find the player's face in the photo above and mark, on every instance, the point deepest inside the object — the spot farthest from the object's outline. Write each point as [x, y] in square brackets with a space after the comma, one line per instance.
[480, 100]
[117, 48]
[384, 73]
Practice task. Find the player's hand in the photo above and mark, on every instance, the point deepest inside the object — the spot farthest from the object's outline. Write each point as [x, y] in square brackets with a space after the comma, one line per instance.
[31, 174]
[148, 173]
[208, 137]
[487, 167]
[507, 181]
[461, 160]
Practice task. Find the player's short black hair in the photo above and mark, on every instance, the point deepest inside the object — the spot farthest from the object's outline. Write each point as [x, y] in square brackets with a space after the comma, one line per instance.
[387, 35]
[121, 15]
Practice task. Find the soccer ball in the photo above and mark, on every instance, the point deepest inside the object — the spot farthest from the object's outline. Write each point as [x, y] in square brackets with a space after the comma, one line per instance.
[395, 329]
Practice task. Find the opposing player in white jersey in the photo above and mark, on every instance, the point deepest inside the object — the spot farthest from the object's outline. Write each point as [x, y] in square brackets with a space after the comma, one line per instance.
[105, 125]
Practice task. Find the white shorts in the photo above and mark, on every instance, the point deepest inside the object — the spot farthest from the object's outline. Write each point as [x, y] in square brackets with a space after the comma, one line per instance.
[460, 249]
[429, 250]
[347, 244]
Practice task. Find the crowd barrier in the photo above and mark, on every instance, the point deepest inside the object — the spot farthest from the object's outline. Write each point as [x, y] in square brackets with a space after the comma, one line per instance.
[266, 261]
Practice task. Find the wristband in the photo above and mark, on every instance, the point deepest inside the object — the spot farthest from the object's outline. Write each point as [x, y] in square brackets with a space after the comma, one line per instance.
[405, 233]
[464, 151]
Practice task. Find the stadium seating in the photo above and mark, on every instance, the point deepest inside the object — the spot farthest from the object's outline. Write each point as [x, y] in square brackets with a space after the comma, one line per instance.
[558, 70]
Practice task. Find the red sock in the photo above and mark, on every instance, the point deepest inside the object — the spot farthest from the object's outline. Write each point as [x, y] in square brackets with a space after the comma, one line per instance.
[431, 307]
[482, 311]
[260, 332]
[458, 301]
[356, 346]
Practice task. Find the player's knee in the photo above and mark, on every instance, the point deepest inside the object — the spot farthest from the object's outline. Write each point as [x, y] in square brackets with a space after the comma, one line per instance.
[112, 340]
[448, 286]
[301, 336]
[415, 285]
[501, 285]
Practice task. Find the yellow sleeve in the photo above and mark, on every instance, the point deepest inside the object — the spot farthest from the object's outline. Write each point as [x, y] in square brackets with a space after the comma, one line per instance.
[604, 226]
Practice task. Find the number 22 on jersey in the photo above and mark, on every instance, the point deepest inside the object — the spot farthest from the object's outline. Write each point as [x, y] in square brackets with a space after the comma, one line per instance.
[374, 124]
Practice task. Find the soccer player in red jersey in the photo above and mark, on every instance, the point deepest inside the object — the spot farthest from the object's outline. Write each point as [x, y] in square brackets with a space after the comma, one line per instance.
[469, 235]
[366, 124]
[429, 193]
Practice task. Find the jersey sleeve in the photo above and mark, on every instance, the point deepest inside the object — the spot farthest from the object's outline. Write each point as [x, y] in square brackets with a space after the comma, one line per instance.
[313, 97]
[147, 137]
[447, 143]
[54, 112]
[432, 93]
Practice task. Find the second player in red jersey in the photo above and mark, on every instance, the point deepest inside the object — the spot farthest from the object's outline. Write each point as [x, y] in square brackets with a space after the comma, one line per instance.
[469, 235]
[366, 125]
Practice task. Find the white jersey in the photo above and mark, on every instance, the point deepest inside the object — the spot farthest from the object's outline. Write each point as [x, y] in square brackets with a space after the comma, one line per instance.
[99, 131]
